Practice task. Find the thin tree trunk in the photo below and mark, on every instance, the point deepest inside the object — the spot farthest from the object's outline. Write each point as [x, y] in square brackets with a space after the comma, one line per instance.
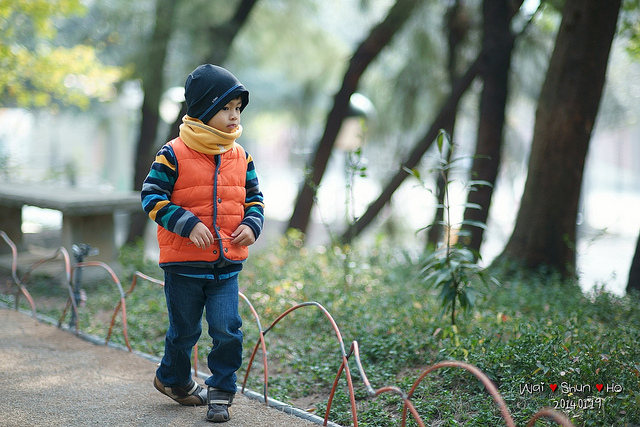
[152, 85]
[444, 117]
[496, 61]
[457, 27]
[545, 230]
[634, 271]
[368, 50]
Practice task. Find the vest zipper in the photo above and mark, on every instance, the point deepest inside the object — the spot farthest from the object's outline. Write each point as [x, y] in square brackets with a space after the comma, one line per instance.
[217, 160]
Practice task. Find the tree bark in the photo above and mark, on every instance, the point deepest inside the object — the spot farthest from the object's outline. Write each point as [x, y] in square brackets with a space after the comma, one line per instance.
[152, 86]
[368, 50]
[634, 272]
[458, 28]
[496, 61]
[545, 230]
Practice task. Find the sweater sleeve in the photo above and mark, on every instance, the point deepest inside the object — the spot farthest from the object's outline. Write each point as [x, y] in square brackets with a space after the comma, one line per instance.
[156, 195]
[254, 201]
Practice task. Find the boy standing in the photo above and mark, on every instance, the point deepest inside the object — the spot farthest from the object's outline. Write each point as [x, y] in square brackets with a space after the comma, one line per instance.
[203, 192]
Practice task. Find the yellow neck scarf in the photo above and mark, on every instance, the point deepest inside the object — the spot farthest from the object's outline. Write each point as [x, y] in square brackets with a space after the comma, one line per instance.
[205, 139]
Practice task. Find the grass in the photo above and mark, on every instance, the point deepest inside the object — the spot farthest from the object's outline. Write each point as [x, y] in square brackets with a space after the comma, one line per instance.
[527, 334]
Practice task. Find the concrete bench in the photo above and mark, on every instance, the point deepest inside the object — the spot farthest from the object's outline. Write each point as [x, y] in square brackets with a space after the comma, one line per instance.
[87, 216]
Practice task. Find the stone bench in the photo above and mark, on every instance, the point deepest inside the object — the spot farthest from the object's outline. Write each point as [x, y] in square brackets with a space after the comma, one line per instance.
[87, 216]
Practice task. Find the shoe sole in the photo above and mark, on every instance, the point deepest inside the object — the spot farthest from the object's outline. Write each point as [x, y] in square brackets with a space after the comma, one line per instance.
[186, 401]
[219, 417]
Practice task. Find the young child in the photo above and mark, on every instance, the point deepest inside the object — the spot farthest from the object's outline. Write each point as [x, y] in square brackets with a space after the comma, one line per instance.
[203, 192]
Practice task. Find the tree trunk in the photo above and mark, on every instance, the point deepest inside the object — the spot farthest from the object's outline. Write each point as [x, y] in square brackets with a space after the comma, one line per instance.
[458, 28]
[634, 271]
[152, 86]
[545, 230]
[368, 50]
[444, 117]
[496, 60]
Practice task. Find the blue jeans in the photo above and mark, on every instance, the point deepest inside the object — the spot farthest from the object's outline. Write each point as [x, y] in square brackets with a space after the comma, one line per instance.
[186, 298]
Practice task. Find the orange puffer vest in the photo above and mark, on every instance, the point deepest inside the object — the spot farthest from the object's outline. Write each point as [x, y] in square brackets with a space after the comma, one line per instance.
[216, 194]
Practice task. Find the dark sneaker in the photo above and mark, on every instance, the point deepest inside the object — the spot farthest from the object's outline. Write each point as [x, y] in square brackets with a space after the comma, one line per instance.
[189, 395]
[219, 403]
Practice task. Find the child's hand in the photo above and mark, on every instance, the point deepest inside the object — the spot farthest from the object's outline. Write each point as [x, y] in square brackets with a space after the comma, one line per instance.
[243, 236]
[201, 236]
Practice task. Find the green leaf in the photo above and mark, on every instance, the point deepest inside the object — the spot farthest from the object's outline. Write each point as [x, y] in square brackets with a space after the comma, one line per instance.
[440, 140]
[472, 206]
[471, 296]
[479, 183]
[474, 224]
[415, 172]
[443, 278]
[464, 233]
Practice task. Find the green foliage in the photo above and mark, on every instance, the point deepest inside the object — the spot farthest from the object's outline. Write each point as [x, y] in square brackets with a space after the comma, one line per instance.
[524, 334]
[132, 259]
[35, 72]
[452, 267]
[452, 270]
[16, 14]
[356, 167]
[630, 26]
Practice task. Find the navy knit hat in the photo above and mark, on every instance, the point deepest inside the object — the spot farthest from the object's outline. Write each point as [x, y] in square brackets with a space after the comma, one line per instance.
[209, 88]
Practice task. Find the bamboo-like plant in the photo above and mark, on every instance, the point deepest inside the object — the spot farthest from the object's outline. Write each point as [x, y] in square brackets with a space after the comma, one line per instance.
[452, 266]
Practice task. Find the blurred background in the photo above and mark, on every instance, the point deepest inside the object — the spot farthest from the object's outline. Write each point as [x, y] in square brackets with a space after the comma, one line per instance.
[91, 89]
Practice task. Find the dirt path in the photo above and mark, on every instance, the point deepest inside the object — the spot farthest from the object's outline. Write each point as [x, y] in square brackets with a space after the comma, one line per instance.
[51, 377]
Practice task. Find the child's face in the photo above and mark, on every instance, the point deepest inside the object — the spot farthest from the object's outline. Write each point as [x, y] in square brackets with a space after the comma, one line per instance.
[228, 118]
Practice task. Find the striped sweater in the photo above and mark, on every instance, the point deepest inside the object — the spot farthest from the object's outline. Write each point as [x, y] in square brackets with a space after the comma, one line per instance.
[156, 202]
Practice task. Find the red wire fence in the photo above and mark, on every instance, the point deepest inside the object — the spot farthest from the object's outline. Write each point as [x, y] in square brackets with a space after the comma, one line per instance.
[345, 356]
